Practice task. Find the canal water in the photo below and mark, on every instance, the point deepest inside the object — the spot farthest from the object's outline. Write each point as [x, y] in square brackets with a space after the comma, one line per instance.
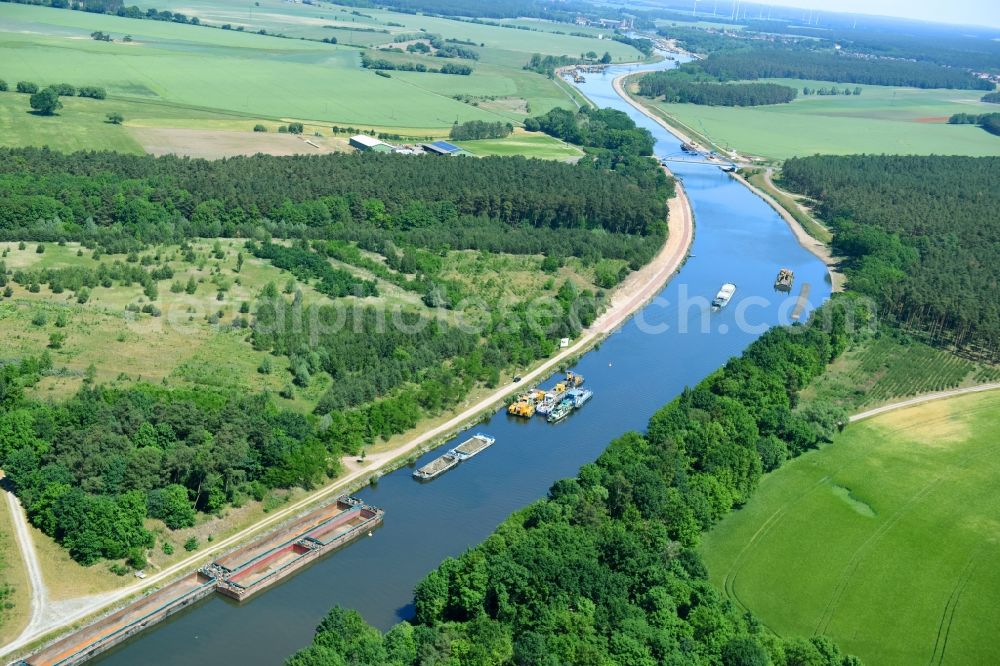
[670, 344]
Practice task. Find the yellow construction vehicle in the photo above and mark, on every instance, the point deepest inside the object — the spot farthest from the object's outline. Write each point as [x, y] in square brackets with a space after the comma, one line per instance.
[523, 408]
[560, 387]
[573, 379]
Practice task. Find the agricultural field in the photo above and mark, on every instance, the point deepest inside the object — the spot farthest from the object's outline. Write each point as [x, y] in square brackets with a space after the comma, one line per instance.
[884, 540]
[893, 367]
[529, 144]
[158, 78]
[374, 27]
[901, 121]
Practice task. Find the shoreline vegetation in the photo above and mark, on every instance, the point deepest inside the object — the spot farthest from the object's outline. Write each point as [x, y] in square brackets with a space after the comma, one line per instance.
[637, 289]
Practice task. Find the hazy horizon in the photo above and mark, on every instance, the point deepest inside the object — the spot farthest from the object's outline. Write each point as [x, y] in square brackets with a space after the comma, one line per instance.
[956, 12]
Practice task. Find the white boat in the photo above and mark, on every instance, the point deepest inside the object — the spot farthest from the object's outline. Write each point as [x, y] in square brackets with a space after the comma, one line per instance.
[724, 296]
[579, 396]
[546, 406]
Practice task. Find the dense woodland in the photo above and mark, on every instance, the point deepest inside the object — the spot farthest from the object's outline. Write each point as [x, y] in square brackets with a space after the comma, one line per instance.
[962, 48]
[113, 199]
[601, 129]
[604, 570]
[951, 46]
[681, 90]
[90, 470]
[921, 236]
[748, 56]
[783, 63]
[991, 98]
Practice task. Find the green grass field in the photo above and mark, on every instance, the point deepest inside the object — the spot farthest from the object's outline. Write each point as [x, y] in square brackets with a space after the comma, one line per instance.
[174, 76]
[881, 120]
[532, 144]
[885, 540]
[261, 76]
[371, 27]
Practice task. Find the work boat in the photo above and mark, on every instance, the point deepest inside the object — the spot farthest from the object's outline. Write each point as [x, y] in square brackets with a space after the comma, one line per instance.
[724, 296]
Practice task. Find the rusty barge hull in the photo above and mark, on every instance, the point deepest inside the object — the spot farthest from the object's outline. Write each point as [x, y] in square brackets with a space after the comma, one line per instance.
[125, 623]
[238, 574]
[286, 559]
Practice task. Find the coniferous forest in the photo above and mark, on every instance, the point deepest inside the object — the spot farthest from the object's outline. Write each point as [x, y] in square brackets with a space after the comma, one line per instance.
[920, 234]
[46, 195]
[679, 90]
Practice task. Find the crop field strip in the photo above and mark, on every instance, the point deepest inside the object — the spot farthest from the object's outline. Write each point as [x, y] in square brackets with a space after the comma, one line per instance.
[807, 561]
[881, 119]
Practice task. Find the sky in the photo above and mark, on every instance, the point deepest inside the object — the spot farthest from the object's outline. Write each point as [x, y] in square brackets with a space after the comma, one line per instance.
[966, 12]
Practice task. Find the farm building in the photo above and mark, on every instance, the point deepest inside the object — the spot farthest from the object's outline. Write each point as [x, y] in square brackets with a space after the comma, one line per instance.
[366, 143]
[443, 148]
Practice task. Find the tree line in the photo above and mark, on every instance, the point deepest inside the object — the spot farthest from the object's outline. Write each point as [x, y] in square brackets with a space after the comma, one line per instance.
[480, 129]
[681, 90]
[475, 9]
[381, 64]
[605, 129]
[149, 199]
[919, 235]
[988, 121]
[605, 569]
[991, 98]
[548, 64]
[61, 89]
[769, 62]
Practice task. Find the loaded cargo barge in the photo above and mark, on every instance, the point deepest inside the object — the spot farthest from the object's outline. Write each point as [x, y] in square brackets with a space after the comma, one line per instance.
[473, 446]
[238, 574]
[247, 571]
[467, 449]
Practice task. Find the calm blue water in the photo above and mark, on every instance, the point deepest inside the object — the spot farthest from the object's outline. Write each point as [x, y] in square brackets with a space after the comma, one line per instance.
[636, 370]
